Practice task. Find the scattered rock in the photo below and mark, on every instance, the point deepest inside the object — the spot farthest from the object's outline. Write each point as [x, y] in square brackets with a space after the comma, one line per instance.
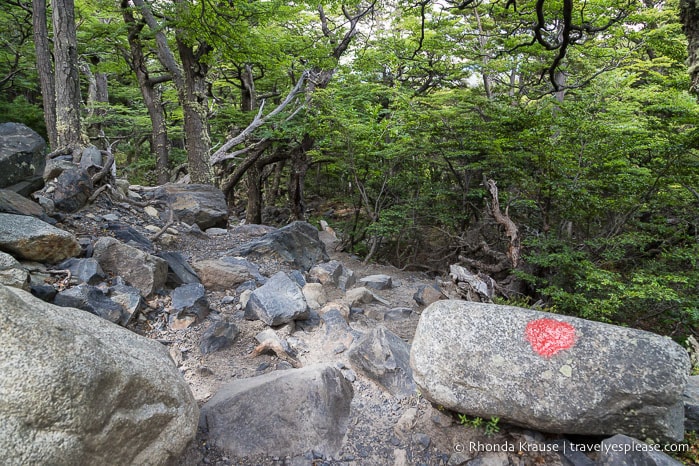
[571, 453]
[358, 296]
[216, 231]
[90, 158]
[428, 294]
[13, 203]
[54, 167]
[314, 295]
[333, 272]
[44, 291]
[282, 413]
[338, 334]
[377, 282]
[93, 300]
[179, 270]
[30, 238]
[146, 272]
[397, 313]
[278, 301]
[73, 188]
[218, 336]
[382, 356]
[621, 450]
[296, 243]
[550, 372]
[86, 391]
[190, 300]
[691, 404]
[202, 204]
[129, 298]
[129, 235]
[86, 270]
[225, 273]
[21, 154]
[12, 273]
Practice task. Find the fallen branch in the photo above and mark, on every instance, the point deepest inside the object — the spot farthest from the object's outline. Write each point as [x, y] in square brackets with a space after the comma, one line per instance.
[276, 348]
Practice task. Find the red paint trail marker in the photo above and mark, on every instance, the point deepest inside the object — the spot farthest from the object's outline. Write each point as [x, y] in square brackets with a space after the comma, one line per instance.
[548, 336]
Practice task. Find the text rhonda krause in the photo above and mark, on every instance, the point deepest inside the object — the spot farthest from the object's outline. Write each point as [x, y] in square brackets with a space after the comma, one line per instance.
[513, 447]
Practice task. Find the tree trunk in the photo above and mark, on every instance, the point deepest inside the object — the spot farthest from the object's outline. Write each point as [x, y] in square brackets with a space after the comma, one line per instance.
[195, 107]
[689, 16]
[248, 101]
[253, 213]
[151, 96]
[45, 70]
[68, 131]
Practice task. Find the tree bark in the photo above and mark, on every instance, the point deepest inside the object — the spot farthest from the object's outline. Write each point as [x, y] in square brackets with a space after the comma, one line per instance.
[45, 70]
[151, 96]
[689, 17]
[68, 131]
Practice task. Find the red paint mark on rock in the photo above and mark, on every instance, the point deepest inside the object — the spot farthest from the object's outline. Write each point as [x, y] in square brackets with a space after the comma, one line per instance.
[548, 336]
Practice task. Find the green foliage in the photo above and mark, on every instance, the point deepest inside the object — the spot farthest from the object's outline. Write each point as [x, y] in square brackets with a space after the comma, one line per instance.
[490, 427]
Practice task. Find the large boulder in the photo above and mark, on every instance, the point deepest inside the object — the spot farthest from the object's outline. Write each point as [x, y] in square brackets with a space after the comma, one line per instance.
[22, 154]
[550, 372]
[76, 389]
[277, 302]
[202, 204]
[296, 244]
[144, 271]
[32, 239]
[282, 413]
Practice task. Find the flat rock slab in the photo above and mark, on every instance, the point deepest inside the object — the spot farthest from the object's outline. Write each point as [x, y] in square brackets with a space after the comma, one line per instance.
[377, 282]
[200, 204]
[282, 413]
[226, 273]
[78, 390]
[21, 153]
[13, 203]
[550, 372]
[296, 244]
[32, 239]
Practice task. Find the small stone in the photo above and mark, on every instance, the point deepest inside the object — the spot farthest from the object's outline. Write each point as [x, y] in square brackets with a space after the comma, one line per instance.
[218, 336]
[151, 211]
[377, 282]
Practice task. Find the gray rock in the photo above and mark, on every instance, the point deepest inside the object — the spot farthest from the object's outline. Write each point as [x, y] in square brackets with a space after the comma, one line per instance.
[22, 154]
[218, 336]
[277, 302]
[498, 458]
[54, 167]
[382, 356]
[86, 270]
[93, 300]
[297, 244]
[691, 404]
[72, 189]
[91, 157]
[129, 298]
[12, 273]
[427, 294]
[31, 239]
[281, 413]
[202, 204]
[190, 299]
[142, 270]
[179, 270]
[377, 282]
[225, 273]
[252, 230]
[333, 272]
[216, 231]
[44, 292]
[621, 450]
[13, 203]
[361, 295]
[129, 235]
[77, 390]
[397, 313]
[314, 295]
[338, 334]
[549, 372]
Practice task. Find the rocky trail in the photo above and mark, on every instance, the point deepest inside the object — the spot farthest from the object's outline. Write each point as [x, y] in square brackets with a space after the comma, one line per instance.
[268, 345]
